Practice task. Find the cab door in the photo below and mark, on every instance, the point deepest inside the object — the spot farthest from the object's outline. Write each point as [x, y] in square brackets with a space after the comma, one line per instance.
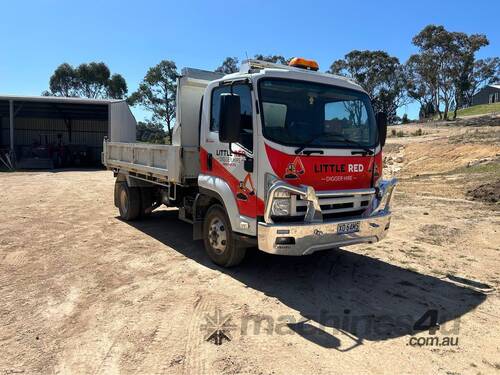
[232, 164]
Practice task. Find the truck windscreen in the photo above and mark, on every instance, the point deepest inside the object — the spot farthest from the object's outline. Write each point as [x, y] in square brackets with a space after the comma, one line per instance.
[295, 113]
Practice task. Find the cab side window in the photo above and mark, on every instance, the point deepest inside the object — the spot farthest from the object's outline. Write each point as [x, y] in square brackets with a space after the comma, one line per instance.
[243, 91]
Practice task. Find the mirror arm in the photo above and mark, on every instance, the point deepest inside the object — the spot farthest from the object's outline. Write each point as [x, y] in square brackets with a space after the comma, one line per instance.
[240, 153]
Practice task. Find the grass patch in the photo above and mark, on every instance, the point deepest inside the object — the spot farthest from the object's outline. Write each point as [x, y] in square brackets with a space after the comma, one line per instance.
[487, 171]
[486, 168]
[481, 109]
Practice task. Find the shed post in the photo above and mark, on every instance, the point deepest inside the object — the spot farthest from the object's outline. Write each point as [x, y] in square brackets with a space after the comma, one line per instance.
[11, 117]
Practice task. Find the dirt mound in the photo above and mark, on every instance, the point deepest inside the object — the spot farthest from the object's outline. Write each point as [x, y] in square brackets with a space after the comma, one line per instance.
[488, 120]
[489, 192]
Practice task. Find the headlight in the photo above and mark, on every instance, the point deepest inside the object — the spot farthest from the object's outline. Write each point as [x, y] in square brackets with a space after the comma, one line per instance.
[280, 207]
[270, 179]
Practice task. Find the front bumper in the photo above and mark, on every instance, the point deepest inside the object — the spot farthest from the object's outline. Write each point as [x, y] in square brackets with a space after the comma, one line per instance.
[302, 238]
[318, 236]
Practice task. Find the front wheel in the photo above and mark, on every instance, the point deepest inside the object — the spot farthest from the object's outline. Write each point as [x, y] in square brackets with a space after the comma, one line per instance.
[220, 244]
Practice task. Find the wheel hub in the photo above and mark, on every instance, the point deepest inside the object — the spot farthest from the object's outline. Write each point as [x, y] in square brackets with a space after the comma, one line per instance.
[217, 235]
[124, 201]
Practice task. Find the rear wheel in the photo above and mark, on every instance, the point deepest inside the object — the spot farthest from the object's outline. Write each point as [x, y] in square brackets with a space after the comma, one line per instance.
[218, 237]
[129, 201]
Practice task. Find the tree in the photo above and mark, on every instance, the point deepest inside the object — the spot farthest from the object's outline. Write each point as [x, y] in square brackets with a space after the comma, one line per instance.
[448, 59]
[461, 65]
[421, 83]
[484, 72]
[117, 87]
[229, 65]
[433, 42]
[380, 74]
[64, 81]
[150, 132]
[92, 80]
[426, 111]
[276, 59]
[157, 92]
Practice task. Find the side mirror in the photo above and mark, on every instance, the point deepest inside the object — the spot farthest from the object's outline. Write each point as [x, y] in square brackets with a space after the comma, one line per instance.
[381, 119]
[229, 118]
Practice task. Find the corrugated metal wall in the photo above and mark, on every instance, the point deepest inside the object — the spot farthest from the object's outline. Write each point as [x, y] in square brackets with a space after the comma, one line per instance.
[30, 130]
[4, 132]
[483, 96]
[27, 131]
[122, 123]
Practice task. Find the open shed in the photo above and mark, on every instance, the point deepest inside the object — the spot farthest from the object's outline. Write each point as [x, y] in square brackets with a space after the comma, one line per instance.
[48, 132]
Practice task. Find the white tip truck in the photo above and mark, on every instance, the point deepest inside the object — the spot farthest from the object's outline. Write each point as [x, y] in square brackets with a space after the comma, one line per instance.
[283, 158]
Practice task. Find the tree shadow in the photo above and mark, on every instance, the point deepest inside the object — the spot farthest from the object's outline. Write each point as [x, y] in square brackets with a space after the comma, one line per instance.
[72, 169]
[339, 294]
[59, 170]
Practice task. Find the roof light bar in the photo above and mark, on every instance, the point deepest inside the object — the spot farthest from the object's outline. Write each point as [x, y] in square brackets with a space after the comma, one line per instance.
[299, 62]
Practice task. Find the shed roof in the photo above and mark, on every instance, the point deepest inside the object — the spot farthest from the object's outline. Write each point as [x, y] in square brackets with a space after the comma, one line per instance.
[57, 99]
[57, 107]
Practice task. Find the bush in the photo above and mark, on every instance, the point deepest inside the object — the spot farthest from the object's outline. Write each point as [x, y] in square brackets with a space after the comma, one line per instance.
[418, 133]
[151, 133]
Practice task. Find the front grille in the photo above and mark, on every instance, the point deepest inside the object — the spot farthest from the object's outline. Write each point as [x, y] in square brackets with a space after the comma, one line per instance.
[334, 205]
[300, 217]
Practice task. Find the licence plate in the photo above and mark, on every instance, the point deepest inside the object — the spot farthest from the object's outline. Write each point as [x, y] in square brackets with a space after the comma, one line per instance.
[348, 227]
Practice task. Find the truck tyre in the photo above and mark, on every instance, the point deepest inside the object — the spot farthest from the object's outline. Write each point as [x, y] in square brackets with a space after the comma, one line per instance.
[220, 244]
[129, 201]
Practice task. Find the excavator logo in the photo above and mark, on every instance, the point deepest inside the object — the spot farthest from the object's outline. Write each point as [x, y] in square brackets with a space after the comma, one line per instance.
[294, 169]
[245, 188]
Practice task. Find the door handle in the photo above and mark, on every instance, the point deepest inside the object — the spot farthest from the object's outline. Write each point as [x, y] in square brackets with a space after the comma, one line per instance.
[209, 161]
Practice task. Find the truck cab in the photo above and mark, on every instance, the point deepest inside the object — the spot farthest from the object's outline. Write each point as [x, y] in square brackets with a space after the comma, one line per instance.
[282, 158]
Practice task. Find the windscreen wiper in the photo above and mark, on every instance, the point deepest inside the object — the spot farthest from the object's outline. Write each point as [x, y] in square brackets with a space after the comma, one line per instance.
[366, 150]
[311, 140]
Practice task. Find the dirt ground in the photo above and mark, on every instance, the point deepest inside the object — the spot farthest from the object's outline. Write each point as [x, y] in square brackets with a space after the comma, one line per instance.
[84, 292]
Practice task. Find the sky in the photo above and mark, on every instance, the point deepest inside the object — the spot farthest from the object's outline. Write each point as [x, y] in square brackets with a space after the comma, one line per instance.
[131, 36]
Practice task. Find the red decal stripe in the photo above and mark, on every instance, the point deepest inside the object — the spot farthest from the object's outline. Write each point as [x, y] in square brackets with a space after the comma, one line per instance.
[324, 172]
[252, 206]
